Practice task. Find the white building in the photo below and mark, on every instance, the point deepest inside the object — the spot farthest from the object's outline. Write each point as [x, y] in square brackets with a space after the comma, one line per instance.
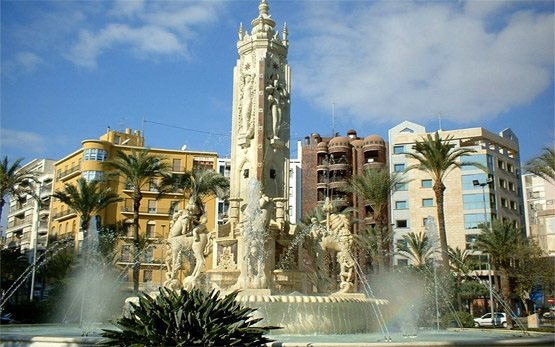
[27, 217]
[468, 188]
[539, 202]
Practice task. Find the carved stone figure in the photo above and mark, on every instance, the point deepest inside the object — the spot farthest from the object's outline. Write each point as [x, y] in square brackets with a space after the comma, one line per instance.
[336, 235]
[187, 233]
[277, 99]
[246, 105]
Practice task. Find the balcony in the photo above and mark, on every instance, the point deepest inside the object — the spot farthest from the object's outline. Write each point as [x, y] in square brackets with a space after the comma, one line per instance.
[69, 173]
[63, 215]
[128, 210]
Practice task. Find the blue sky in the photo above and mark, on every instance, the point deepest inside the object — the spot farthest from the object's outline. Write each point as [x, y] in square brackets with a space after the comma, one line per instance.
[72, 68]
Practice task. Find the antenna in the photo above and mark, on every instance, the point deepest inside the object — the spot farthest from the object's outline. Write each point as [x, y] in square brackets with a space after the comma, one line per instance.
[332, 119]
[439, 121]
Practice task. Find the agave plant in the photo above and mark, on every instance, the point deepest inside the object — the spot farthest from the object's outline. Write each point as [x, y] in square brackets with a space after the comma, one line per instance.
[188, 318]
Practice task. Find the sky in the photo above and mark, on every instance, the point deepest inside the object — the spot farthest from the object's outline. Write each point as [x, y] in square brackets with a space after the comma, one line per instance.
[70, 69]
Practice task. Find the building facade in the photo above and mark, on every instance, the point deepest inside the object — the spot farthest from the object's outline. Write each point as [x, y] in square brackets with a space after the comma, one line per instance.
[329, 162]
[155, 211]
[27, 218]
[539, 202]
[472, 195]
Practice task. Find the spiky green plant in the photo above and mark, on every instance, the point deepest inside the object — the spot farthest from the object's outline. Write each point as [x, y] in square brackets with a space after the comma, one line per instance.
[188, 318]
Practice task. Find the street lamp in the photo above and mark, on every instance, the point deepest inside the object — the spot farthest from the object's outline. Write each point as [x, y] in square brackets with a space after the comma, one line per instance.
[163, 246]
[477, 183]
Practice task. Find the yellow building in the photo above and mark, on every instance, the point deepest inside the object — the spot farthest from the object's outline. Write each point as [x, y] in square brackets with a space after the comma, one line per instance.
[154, 214]
[472, 195]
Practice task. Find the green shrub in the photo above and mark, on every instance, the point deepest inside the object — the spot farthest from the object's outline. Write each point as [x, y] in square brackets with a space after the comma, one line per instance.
[451, 320]
[183, 318]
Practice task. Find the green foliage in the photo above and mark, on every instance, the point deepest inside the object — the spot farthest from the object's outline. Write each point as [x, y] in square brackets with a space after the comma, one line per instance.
[543, 165]
[453, 319]
[185, 318]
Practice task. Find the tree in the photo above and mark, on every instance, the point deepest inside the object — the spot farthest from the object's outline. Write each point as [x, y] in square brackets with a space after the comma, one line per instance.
[461, 265]
[138, 170]
[416, 247]
[438, 157]
[543, 165]
[86, 198]
[501, 242]
[199, 184]
[13, 181]
[375, 187]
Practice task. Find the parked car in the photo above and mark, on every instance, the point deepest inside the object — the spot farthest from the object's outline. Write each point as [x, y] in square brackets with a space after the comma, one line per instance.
[499, 317]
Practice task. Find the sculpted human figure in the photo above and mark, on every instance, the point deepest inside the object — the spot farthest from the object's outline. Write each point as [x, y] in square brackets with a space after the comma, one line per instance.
[277, 99]
[246, 103]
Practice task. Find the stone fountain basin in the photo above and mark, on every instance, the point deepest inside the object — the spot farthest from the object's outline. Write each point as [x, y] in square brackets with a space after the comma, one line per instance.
[300, 314]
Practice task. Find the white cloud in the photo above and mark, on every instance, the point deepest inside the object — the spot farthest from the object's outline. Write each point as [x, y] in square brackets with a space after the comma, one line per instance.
[32, 142]
[144, 40]
[389, 61]
[157, 29]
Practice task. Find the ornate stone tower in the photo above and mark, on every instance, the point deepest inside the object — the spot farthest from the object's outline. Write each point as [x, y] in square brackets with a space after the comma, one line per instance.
[246, 246]
[261, 118]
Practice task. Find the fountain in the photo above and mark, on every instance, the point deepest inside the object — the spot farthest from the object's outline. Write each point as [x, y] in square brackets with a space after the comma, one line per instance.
[257, 251]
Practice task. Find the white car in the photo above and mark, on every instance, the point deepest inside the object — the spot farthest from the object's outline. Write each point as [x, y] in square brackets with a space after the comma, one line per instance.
[485, 321]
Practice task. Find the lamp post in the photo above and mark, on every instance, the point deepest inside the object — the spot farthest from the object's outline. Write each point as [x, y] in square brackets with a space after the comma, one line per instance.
[477, 183]
[163, 246]
[35, 231]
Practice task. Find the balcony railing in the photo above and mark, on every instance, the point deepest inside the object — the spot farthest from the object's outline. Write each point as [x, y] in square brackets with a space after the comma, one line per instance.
[69, 172]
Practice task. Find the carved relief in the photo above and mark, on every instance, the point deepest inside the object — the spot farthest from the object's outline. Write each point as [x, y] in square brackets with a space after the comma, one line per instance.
[246, 99]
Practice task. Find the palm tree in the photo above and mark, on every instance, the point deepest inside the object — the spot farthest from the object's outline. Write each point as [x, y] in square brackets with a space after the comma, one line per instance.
[438, 157]
[86, 198]
[13, 181]
[375, 187]
[199, 184]
[543, 165]
[461, 265]
[138, 170]
[416, 247]
[501, 242]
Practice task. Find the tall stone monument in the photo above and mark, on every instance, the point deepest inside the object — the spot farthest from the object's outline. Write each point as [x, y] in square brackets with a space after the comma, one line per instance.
[259, 182]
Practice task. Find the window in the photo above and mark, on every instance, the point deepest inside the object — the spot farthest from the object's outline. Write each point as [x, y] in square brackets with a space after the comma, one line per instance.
[503, 183]
[176, 165]
[95, 154]
[428, 202]
[425, 221]
[150, 230]
[402, 262]
[125, 252]
[148, 255]
[467, 184]
[473, 201]
[514, 205]
[426, 183]
[147, 276]
[479, 158]
[400, 149]
[501, 164]
[401, 187]
[401, 205]
[151, 206]
[512, 186]
[152, 186]
[470, 240]
[472, 220]
[399, 167]
[401, 223]
[91, 175]
[504, 202]
[510, 168]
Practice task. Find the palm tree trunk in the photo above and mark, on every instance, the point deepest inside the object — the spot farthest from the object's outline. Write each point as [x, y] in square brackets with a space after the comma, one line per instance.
[439, 188]
[136, 241]
[506, 291]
